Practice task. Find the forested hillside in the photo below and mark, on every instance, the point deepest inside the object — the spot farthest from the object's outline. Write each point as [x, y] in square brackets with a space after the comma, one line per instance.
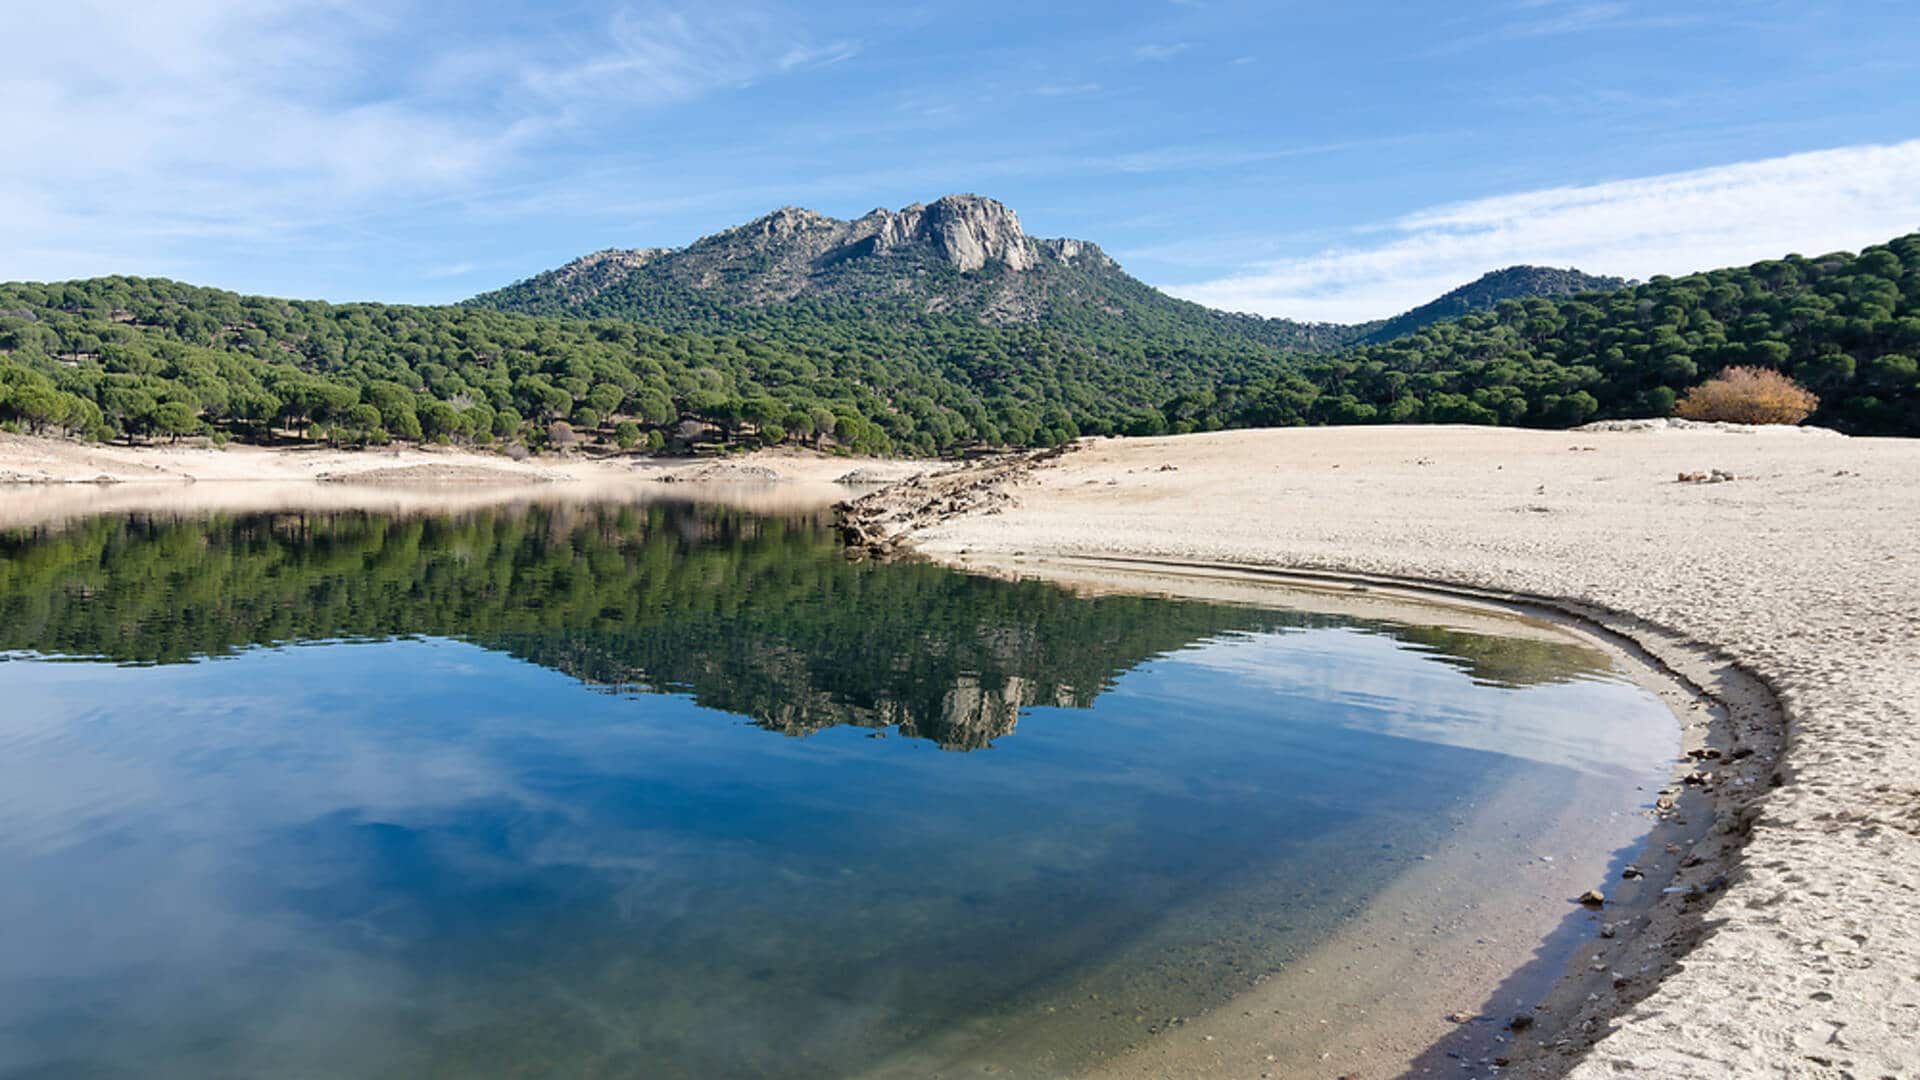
[1486, 292]
[149, 358]
[1846, 326]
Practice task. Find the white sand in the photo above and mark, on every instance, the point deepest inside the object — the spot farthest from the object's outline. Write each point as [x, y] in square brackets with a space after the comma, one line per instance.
[26, 460]
[44, 480]
[1805, 570]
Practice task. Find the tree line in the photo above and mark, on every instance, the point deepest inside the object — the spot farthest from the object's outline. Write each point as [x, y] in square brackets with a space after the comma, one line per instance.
[145, 358]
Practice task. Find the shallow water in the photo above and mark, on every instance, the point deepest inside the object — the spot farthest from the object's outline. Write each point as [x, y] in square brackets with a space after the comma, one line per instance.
[674, 790]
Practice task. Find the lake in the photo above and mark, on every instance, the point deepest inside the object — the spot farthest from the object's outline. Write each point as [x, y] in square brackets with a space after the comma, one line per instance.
[677, 790]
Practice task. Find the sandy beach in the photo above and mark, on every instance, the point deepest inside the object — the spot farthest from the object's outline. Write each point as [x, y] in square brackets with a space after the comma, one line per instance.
[1802, 571]
[1780, 604]
[27, 460]
[47, 480]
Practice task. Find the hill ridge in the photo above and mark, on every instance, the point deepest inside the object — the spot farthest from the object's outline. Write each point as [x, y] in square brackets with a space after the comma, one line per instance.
[963, 256]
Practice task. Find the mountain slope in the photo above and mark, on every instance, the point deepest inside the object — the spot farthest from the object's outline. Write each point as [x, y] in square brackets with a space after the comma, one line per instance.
[1486, 292]
[963, 257]
[1845, 326]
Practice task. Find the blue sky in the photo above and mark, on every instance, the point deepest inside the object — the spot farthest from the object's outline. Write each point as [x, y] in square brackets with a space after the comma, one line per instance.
[1318, 160]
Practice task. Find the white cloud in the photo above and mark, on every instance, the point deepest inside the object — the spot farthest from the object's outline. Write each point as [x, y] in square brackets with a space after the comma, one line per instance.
[136, 130]
[660, 54]
[1676, 223]
[806, 56]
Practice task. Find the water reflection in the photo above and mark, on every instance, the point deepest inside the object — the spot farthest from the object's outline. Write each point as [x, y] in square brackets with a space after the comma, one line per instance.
[501, 804]
[753, 615]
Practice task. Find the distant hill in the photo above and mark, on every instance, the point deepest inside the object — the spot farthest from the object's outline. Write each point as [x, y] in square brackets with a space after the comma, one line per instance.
[1482, 294]
[962, 257]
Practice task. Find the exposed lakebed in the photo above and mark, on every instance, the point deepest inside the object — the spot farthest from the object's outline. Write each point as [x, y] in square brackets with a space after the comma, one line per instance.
[602, 790]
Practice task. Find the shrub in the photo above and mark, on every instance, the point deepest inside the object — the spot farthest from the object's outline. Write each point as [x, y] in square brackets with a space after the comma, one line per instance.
[1748, 395]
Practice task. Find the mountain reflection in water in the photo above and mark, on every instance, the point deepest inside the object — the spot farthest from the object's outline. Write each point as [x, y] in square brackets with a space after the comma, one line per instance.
[484, 793]
[754, 615]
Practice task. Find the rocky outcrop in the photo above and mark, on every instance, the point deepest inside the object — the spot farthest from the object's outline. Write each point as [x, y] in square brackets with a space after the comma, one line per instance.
[964, 231]
[968, 231]
[789, 224]
[590, 275]
[877, 525]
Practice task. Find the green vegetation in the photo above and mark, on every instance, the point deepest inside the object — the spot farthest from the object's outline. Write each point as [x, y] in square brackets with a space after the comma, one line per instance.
[133, 358]
[1844, 326]
[144, 358]
[1486, 293]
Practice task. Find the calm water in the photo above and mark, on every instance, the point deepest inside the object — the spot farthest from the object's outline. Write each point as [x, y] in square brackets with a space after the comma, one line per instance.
[672, 790]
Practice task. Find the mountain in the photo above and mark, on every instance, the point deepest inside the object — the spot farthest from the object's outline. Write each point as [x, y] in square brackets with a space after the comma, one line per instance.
[963, 257]
[1486, 292]
[140, 358]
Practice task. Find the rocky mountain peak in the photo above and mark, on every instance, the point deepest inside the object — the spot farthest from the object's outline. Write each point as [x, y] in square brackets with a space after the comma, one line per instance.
[969, 230]
[788, 222]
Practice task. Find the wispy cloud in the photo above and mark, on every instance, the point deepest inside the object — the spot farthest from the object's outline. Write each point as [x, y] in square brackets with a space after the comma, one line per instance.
[806, 56]
[1554, 18]
[1670, 224]
[658, 54]
[133, 129]
[1161, 52]
[1567, 18]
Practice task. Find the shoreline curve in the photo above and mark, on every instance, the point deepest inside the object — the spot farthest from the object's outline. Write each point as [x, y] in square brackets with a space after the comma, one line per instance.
[1799, 578]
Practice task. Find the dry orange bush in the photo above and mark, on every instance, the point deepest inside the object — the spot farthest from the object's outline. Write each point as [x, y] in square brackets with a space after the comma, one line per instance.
[1748, 395]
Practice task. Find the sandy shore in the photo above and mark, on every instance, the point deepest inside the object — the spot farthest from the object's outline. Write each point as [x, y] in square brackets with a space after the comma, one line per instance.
[1803, 571]
[46, 480]
[27, 460]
